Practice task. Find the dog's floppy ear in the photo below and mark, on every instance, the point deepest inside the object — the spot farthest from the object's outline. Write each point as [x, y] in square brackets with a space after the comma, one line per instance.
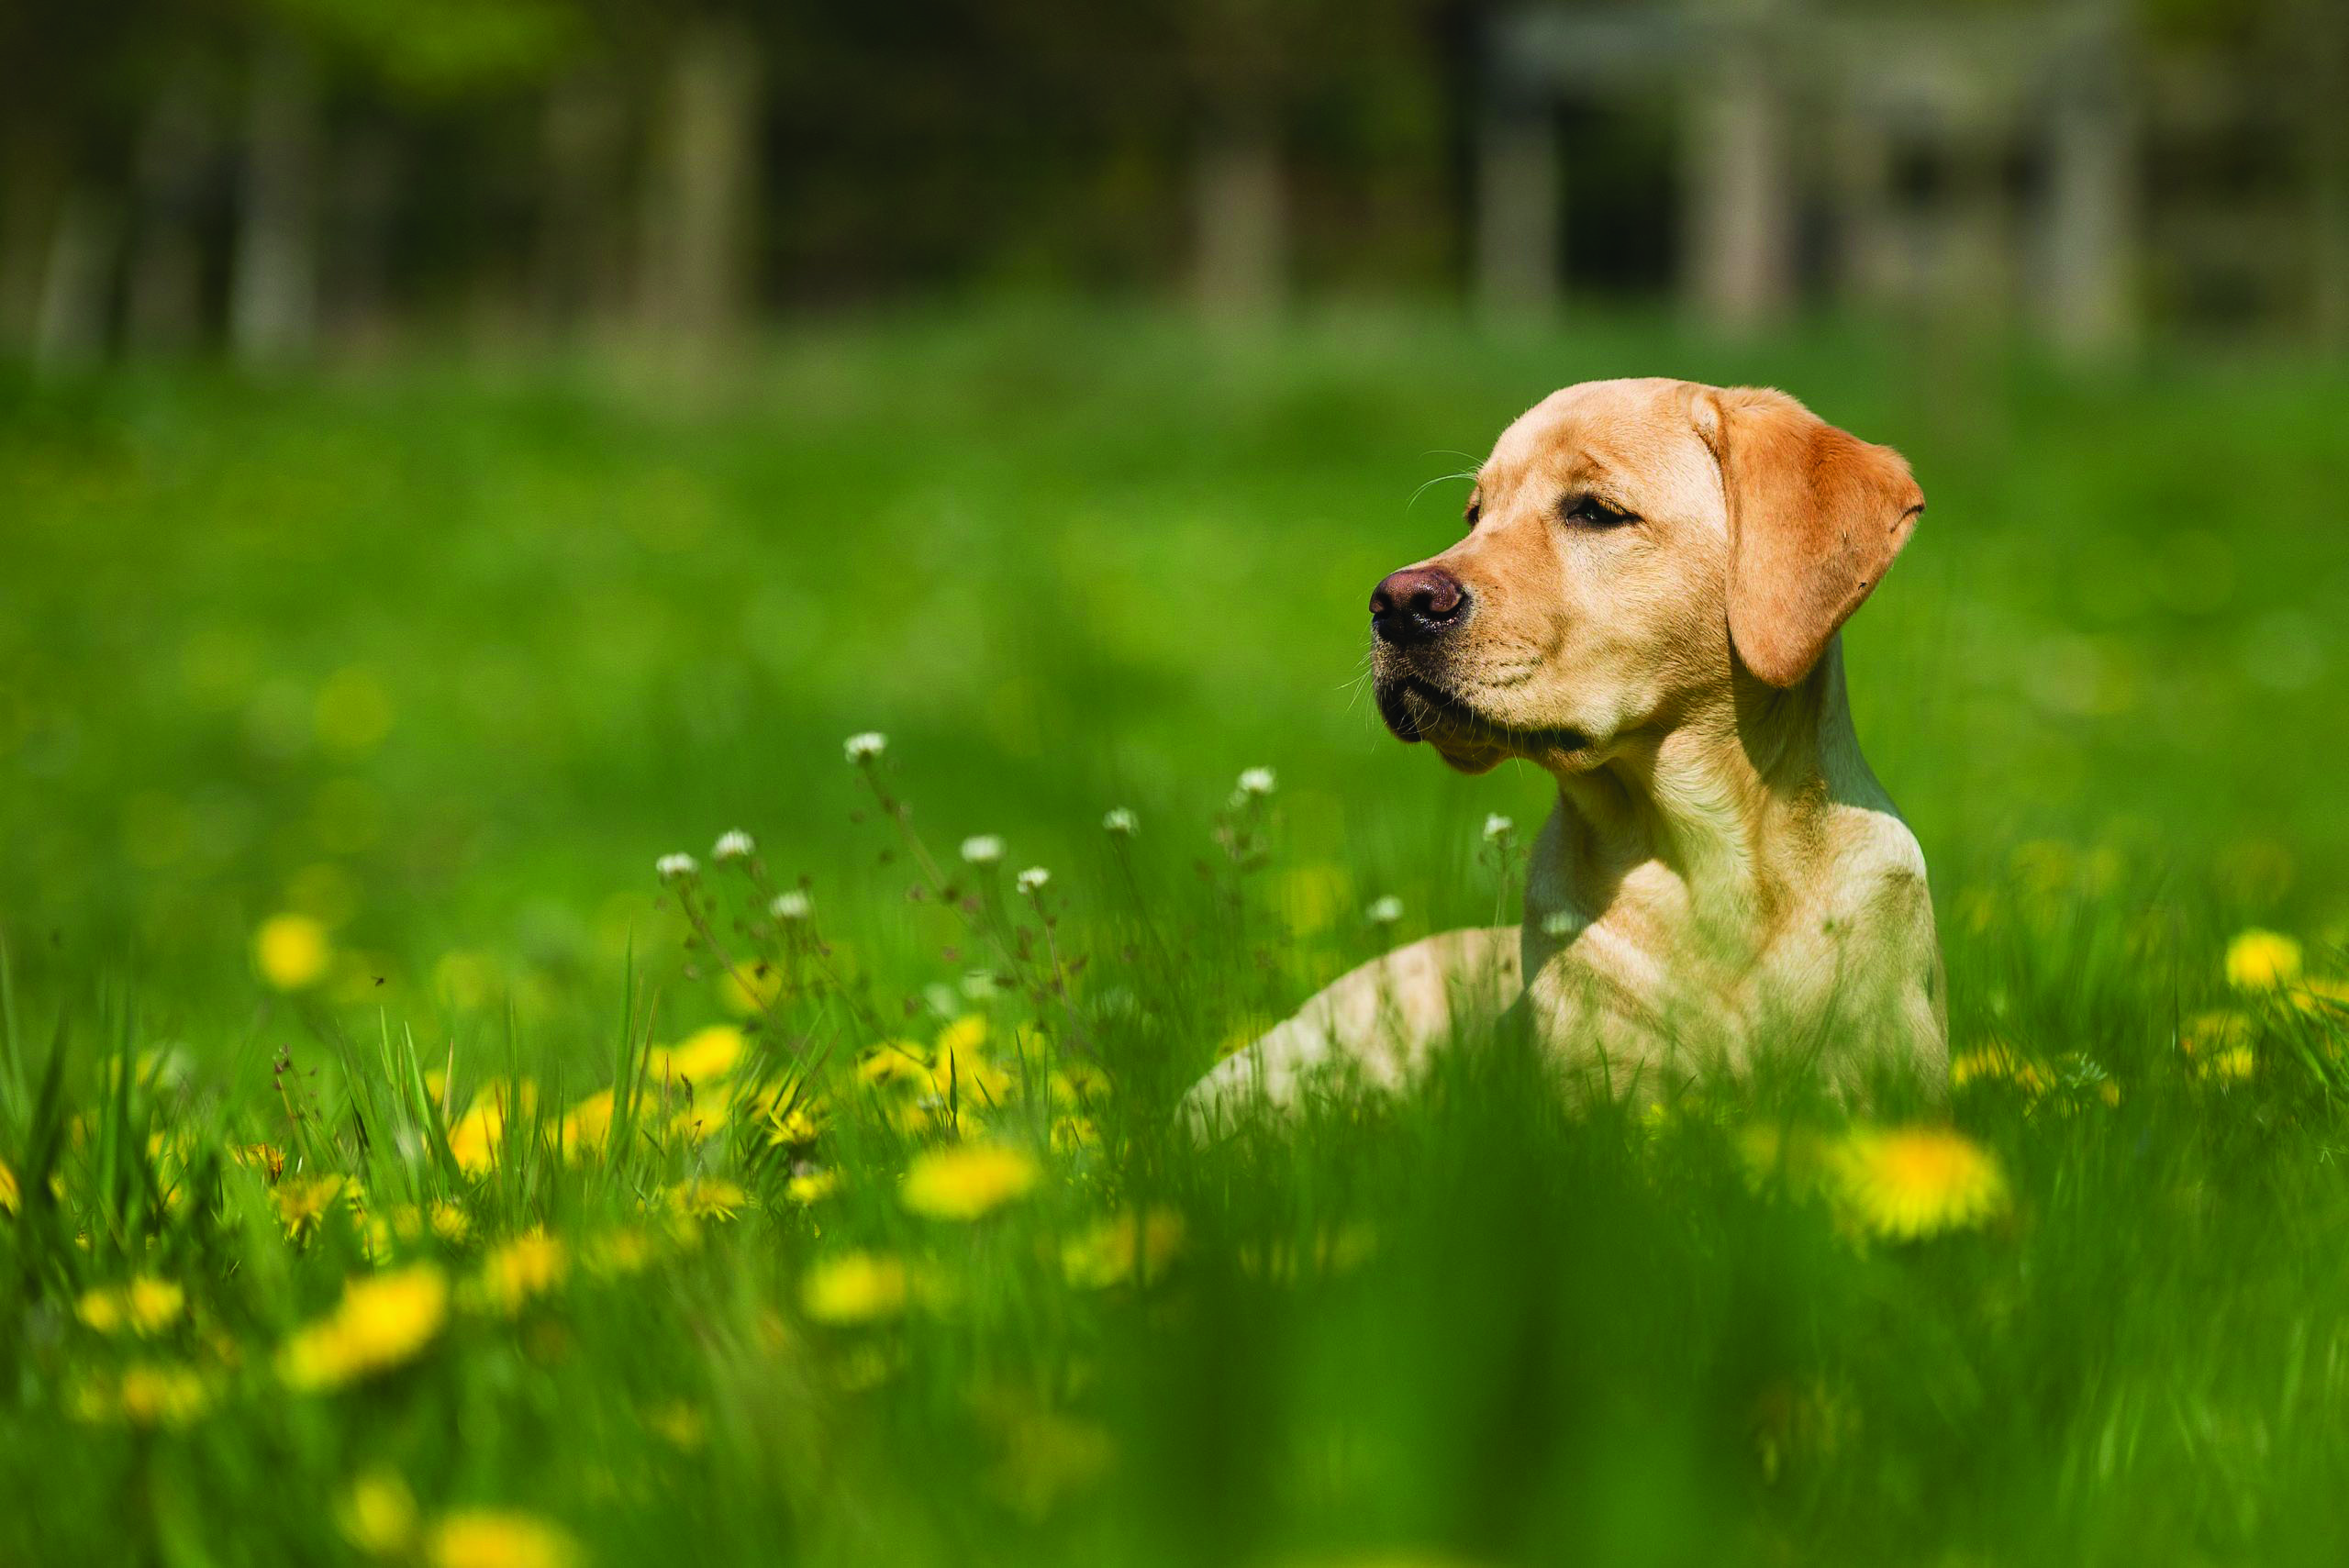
[1815, 517]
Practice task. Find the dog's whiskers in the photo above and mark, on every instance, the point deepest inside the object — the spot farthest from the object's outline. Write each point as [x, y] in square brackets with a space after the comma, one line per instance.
[1469, 474]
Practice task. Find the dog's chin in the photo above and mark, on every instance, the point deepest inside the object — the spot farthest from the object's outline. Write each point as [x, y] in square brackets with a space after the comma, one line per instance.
[1416, 709]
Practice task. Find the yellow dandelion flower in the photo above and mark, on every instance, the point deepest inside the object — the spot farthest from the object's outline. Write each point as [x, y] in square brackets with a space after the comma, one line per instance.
[1906, 1182]
[147, 1305]
[155, 1303]
[1995, 1062]
[587, 1126]
[931, 1116]
[750, 991]
[709, 1197]
[271, 1159]
[378, 1514]
[680, 1425]
[530, 1266]
[1078, 1084]
[444, 1219]
[477, 1139]
[292, 952]
[1340, 1250]
[795, 1128]
[704, 1057]
[854, 1287]
[8, 1193]
[2262, 961]
[969, 1077]
[958, 1062]
[154, 1394]
[1075, 1135]
[382, 1322]
[2323, 995]
[101, 1309]
[2206, 1035]
[1110, 1253]
[895, 1065]
[964, 1036]
[304, 1201]
[703, 1109]
[494, 1538]
[967, 1180]
[617, 1252]
[2228, 1063]
[811, 1188]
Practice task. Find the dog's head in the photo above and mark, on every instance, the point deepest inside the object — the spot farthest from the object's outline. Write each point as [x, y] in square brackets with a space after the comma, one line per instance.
[1632, 546]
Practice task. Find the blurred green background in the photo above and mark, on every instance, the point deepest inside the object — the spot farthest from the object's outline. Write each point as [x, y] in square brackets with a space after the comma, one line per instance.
[444, 656]
[454, 452]
[449, 453]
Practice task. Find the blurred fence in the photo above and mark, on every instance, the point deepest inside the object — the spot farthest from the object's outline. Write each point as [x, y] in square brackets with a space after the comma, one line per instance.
[281, 178]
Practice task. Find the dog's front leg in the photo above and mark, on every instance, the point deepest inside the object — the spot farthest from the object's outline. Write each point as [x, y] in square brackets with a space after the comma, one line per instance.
[1377, 1022]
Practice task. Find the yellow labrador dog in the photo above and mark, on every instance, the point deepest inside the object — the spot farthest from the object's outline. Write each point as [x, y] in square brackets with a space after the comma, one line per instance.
[1645, 605]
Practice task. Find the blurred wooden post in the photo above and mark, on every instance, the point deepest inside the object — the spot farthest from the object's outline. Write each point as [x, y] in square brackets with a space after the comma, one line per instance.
[1741, 221]
[1520, 208]
[701, 204]
[1239, 209]
[273, 305]
[71, 327]
[2091, 194]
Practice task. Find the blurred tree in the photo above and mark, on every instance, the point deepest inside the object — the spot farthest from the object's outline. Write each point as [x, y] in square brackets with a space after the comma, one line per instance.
[413, 51]
[1251, 66]
[65, 84]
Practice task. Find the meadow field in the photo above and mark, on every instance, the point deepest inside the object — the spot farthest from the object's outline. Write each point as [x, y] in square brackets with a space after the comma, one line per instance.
[396, 1167]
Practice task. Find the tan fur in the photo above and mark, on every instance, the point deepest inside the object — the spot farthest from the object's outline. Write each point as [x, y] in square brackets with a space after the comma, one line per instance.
[1721, 871]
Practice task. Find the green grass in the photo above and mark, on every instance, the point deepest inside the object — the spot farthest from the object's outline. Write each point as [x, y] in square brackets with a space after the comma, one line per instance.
[442, 658]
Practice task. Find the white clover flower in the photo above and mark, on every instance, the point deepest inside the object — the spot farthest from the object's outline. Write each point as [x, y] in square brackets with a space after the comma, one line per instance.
[735, 845]
[676, 868]
[1497, 827]
[865, 746]
[1033, 879]
[1121, 822]
[982, 848]
[1384, 911]
[1258, 781]
[793, 905]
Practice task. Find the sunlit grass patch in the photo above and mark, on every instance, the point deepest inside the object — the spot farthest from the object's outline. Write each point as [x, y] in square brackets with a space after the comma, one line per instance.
[327, 888]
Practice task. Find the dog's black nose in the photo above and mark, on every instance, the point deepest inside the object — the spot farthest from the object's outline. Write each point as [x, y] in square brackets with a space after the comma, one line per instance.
[1416, 604]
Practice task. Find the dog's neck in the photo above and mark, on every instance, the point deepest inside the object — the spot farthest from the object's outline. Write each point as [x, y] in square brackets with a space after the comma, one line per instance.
[1708, 826]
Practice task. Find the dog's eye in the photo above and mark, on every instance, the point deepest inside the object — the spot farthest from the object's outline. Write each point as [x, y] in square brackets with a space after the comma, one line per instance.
[1590, 512]
[1476, 510]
